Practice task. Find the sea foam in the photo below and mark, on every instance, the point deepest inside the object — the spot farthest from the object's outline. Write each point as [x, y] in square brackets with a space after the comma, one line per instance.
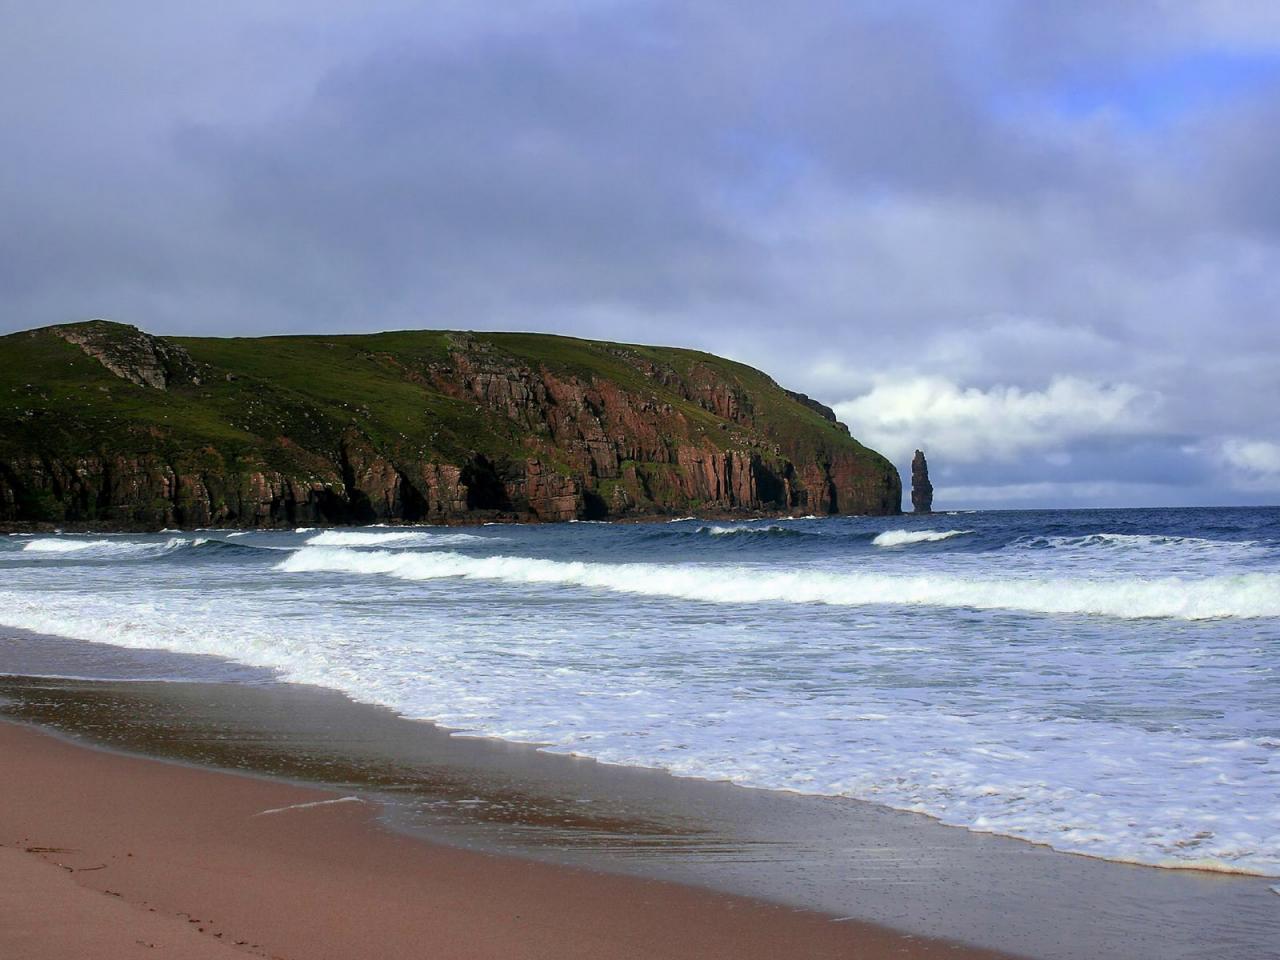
[992, 764]
[91, 549]
[1107, 693]
[1136, 542]
[1241, 595]
[399, 538]
[898, 538]
[722, 531]
[68, 546]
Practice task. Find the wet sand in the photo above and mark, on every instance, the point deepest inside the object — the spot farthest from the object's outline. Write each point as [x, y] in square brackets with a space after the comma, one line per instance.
[113, 856]
[851, 861]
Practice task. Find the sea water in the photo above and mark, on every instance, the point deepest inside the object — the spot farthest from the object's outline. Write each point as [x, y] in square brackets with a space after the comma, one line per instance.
[1104, 682]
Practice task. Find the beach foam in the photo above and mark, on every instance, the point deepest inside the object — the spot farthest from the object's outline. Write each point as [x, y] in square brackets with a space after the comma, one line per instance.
[1108, 694]
[1096, 787]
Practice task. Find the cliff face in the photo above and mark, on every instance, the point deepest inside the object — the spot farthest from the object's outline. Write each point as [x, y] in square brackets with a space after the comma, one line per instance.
[103, 424]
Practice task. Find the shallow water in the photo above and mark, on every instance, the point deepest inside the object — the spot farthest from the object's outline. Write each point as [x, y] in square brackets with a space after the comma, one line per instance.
[1100, 681]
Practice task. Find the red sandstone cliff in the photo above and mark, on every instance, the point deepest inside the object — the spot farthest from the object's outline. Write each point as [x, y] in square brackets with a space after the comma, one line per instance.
[421, 427]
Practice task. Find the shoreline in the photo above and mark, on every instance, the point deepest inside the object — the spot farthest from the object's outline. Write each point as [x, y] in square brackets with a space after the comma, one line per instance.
[156, 849]
[820, 855]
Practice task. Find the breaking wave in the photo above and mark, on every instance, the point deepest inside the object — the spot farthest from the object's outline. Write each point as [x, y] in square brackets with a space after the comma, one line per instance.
[52, 549]
[899, 538]
[59, 547]
[1063, 680]
[66, 546]
[1247, 595]
[1131, 541]
[399, 538]
[769, 531]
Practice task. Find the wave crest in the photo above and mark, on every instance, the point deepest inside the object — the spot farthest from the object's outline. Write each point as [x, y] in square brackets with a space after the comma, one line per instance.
[1247, 595]
[769, 531]
[400, 538]
[1132, 541]
[899, 538]
[56, 547]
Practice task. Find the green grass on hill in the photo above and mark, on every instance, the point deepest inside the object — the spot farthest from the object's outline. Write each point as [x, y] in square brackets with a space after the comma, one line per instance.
[284, 400]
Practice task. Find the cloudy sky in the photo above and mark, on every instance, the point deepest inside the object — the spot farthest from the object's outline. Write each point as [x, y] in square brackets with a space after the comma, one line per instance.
[1041, 240]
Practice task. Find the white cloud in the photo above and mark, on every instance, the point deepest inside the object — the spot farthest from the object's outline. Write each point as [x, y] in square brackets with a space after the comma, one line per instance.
[1050, 494]
[967, 425]
[1255, 464]
[1002, 348]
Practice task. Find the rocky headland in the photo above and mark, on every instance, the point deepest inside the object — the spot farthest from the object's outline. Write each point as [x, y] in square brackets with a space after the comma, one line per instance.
[105, 426]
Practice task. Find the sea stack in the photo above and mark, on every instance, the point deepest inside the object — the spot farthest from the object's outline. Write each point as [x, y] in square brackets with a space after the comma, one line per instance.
[921, 488]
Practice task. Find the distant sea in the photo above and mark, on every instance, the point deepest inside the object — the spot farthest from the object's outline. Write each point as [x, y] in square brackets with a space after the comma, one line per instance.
[1105, 682]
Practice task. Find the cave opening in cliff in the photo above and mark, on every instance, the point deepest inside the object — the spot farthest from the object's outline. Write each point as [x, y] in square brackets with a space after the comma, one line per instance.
[771, 489]
[485, 488]
[593, 506]
[413, 505]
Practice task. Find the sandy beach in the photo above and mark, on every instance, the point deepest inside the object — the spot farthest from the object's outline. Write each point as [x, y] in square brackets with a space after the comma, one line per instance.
[455, 820]
[113, 856]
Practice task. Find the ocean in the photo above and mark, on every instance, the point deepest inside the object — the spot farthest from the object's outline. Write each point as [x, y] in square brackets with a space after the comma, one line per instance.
[1103, 682]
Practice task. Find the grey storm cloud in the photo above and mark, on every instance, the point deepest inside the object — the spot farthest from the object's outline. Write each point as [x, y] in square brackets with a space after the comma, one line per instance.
[995, 229]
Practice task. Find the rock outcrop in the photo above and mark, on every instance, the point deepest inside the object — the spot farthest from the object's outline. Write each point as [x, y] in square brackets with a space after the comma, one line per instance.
[104, 425]
[129, 353]
[921, 488]
[821, 409]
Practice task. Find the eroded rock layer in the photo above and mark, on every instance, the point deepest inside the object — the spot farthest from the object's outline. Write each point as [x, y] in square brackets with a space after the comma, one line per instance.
[103, 424]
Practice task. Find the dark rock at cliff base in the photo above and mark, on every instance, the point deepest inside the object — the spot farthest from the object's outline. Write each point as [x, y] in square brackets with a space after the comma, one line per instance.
[102, 424]
[921, 488]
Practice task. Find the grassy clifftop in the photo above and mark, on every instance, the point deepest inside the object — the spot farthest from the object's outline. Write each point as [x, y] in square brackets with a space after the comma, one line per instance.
[414, 425]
